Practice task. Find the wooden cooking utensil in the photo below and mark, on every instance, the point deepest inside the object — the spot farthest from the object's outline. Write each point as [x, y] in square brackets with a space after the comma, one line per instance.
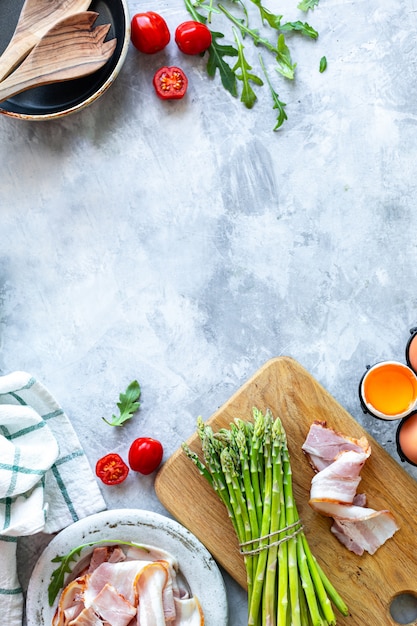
[36, 18]
[70, 49]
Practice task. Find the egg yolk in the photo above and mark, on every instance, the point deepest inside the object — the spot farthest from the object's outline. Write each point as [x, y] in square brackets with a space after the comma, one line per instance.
[390, 388]
[407, 438]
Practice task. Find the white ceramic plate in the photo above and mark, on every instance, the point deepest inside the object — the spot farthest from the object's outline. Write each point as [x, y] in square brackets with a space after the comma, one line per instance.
[195, 562]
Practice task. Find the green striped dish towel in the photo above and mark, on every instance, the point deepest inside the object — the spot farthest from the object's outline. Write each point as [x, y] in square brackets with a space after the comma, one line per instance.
[46, 482]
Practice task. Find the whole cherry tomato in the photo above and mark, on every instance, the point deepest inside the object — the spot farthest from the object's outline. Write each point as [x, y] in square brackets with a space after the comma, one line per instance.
[111, 469]
[149, 32]
[145, 455]
[170, 83]
[193, 37]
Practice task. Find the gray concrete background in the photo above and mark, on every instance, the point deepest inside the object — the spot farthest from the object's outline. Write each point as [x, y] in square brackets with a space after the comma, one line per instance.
[185, 243]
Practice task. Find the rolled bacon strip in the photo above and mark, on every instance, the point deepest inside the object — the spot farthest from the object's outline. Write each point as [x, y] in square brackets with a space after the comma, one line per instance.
[337, 461]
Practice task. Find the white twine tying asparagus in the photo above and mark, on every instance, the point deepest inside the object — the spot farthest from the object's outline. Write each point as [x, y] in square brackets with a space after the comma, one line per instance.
[264, 546]
[248, 466]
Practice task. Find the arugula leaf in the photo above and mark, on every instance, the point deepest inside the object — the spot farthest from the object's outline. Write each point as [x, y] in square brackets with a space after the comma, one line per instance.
[128, 405]
[305, 5]
[58, 575]
[285, 65]
[267, 16]
[323, 64]
[248, 96]
[274, 21]
[301, 27]
[278, 104]
[216, 61]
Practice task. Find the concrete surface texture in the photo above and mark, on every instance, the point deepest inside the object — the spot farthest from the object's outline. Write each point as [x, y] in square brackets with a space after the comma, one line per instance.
[186, 243]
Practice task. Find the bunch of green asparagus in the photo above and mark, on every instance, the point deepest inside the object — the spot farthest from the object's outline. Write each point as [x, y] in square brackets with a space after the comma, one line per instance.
[248, 466]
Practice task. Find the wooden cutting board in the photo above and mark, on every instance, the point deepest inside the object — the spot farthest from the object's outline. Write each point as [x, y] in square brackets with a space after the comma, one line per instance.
[368, 583]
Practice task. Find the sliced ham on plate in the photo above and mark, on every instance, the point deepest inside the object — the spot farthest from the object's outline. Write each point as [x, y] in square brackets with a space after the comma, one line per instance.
[136, 587]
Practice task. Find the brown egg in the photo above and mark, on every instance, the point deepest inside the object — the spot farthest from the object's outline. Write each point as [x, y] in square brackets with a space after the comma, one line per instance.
[407, 439]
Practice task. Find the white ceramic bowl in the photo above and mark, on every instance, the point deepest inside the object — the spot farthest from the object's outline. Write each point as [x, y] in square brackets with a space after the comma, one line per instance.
[195, 562]
[60, 99]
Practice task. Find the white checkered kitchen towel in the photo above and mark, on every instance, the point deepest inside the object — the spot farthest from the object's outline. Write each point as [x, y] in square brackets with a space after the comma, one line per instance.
[46, 482]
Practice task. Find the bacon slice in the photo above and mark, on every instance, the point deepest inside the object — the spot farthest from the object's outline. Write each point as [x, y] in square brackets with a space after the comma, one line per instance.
[366, 534]
[338, 461]
[323, 445]
[339, 480]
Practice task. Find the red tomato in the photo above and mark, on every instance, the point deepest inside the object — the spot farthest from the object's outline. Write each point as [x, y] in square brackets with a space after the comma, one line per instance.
[170, 83]
[111, 469]
[145, 455]
[192, 37]
[149, 32]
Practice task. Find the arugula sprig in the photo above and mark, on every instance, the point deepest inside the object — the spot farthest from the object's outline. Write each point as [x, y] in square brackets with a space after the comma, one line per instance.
[242, 70]
[58, 575]
[128, 405]
[278, 104]
[281, 51]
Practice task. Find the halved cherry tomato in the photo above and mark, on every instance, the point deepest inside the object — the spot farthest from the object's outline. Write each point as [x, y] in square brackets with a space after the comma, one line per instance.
[111, 469]
[149, 32]
[145, 455]
[170, 83]
[192, 37]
